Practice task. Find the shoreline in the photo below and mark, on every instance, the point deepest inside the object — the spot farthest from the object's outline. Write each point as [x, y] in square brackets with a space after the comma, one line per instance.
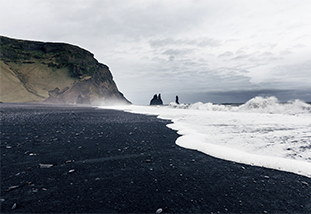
[193, 138]
[108, 161]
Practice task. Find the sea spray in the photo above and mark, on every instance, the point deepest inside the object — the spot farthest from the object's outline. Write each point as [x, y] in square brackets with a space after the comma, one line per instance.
[258, 104]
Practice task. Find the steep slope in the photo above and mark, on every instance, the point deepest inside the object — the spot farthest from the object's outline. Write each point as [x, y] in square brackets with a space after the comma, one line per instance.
[53, 72]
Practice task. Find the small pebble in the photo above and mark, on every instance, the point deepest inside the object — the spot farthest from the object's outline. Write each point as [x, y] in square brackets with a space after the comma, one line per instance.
[14, 206]
[45, 166]
[11, 188]
[305, 183]
[160, 210]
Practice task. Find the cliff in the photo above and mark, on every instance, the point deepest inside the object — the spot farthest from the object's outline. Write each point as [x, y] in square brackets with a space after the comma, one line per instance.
[55, 73]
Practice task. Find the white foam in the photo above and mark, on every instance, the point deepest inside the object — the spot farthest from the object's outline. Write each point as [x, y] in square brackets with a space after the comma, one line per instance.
[248, 133]
[256, 105]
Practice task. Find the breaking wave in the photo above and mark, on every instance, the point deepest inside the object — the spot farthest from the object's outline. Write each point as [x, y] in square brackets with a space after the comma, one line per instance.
[255, 105]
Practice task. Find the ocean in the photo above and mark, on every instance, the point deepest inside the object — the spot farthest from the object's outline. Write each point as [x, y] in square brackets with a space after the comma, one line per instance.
[261, 132]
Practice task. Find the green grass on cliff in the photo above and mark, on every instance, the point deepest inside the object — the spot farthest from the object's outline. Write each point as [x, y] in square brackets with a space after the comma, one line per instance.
[11, 89]
[32, 82]
[79, 61]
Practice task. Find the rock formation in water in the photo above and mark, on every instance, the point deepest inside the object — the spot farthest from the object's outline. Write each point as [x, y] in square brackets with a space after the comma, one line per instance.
[160, 100]
[54, 73]
[176, 100]
[156, 100]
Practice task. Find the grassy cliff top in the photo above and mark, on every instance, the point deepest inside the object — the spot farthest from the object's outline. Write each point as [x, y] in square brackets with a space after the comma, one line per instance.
[81, 62]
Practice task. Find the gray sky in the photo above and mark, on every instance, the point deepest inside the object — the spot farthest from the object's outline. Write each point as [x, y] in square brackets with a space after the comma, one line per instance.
[209, 51]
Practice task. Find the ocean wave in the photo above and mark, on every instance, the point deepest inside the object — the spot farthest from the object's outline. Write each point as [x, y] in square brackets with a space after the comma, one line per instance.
[255, 105]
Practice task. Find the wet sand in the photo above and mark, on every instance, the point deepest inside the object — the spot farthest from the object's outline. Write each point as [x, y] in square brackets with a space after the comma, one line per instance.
[66, 159]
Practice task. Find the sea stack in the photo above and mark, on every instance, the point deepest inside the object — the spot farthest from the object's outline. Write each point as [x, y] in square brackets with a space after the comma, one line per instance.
[156, 100]
[54, 73]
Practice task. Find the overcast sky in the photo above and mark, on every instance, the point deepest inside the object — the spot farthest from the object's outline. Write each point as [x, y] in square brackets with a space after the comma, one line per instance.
[202, 50]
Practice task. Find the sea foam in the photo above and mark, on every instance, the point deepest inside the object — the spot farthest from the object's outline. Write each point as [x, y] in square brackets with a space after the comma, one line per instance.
[262, 132]
[256, 105]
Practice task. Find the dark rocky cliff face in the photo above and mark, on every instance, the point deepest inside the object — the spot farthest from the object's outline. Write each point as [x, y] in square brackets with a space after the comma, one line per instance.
[54, 72]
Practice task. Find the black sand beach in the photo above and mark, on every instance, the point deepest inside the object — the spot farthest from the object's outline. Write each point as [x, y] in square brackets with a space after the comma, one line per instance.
[105, 161]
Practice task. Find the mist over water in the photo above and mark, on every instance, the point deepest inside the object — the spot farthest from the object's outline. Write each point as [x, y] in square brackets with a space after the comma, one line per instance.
[261, 132]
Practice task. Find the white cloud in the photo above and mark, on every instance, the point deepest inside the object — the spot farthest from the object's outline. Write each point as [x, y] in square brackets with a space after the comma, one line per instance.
[160, 45]
[226, 54]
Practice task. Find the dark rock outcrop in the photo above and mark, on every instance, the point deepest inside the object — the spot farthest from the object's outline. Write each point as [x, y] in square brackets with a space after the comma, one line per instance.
[54, 72]
[176, 100]
[156, 100]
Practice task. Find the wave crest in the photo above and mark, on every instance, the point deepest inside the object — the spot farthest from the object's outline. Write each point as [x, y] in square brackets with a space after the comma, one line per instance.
[255, 105]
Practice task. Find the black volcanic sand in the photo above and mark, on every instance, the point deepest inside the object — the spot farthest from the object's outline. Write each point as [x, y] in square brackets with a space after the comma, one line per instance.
[107, 161]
